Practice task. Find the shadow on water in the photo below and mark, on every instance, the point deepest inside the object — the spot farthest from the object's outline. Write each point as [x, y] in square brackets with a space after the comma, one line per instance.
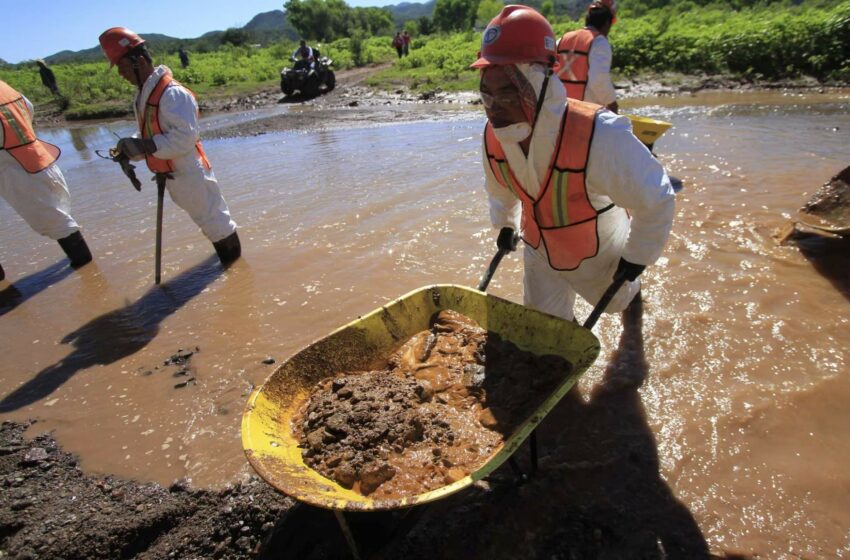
[117, 334]
[598, 492]
[829, 256]
[15, 294]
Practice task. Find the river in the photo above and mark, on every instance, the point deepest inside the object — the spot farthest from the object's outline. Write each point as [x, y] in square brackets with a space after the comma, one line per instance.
[747, 342]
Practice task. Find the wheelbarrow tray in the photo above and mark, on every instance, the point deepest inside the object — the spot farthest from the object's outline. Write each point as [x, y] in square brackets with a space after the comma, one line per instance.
[267, 436]
[646, 129]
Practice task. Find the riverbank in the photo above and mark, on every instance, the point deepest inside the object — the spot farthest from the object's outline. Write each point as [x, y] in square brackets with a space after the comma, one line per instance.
[353, 102]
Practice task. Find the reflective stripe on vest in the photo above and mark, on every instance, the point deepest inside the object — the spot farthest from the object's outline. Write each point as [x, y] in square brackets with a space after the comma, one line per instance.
[149, 126]
[19, 138]
[561, 216]
[574, 61]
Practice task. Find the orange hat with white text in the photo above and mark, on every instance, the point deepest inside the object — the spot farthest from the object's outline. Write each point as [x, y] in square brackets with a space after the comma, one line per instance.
[116, 42]
[519, 34]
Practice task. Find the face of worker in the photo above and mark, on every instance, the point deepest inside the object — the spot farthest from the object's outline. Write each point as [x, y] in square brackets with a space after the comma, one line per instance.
[125, 70]
[501, 98]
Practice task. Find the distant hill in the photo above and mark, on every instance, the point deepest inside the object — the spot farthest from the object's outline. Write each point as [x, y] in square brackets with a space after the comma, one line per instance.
[263, 28]
[411, 10]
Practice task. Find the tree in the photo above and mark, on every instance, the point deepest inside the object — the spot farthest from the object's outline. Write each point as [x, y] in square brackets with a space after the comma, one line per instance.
[487, 10]
[425, 25]
[373, 21]
[319, 19]
[547, 9]
[455, 15]
[235, 37]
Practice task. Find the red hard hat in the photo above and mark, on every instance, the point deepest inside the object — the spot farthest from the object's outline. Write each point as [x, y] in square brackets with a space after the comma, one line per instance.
[518, 34]
[117, 42]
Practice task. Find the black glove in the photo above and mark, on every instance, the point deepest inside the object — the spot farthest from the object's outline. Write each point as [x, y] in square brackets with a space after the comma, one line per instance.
[507, 240]
[628, 270]
[136, 147]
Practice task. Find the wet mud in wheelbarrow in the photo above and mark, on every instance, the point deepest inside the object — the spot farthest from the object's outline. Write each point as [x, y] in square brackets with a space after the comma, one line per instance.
[598, 493]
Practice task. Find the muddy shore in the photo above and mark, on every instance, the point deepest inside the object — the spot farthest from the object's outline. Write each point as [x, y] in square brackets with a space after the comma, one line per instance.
[597, 494]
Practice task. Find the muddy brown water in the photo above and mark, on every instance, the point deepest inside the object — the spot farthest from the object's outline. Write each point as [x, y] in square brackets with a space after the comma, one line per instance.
[746, 343]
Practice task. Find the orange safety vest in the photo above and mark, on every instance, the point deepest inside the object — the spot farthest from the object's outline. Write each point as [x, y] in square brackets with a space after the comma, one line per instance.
[149, 126]
[19, 138]
[574, 61]
[562, 215]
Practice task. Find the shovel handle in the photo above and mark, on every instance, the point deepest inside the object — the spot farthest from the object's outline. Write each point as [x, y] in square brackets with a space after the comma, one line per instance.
[488, 274]
[604, 301]
[160, 196]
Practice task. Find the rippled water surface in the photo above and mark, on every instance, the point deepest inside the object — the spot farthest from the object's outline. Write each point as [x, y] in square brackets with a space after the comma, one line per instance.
[747, 342]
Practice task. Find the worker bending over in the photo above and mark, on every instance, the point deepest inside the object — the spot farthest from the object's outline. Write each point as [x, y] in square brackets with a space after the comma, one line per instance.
[170, 143]
[564, 171]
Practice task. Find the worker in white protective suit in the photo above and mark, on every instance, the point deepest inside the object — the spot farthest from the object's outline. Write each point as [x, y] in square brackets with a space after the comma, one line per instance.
[31, 181]
[584, 57]
[566, 172]
[169, 139]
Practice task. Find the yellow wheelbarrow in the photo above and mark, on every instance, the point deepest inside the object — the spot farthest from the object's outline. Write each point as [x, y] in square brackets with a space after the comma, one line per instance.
[649, 130]
[267, 434]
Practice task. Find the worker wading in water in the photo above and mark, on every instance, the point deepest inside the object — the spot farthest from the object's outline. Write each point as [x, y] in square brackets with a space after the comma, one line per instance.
[584, 57]
[565, 171]
[170, 143]
[30, 180]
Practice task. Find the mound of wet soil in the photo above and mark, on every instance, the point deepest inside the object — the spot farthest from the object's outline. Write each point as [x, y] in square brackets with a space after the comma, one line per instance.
[49, 508]
[443, 405]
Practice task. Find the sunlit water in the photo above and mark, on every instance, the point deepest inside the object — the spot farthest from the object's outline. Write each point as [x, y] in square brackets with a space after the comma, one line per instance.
[747, 342]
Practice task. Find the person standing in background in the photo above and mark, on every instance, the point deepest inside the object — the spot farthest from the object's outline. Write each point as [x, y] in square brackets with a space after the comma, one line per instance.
[405, 37]
[47, 77]
[184, 57]
[584, 57]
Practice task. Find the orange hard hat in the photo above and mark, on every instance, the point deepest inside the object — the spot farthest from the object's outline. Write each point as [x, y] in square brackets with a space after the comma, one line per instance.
[117, 42]
[518, 34]
[610, 5]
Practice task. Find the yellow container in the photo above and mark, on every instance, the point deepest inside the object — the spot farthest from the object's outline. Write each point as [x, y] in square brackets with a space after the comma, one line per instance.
[648, 130]
[266, 422]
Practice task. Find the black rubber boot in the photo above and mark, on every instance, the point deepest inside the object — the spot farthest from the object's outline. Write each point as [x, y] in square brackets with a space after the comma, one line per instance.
[228, 249]
[75, 247]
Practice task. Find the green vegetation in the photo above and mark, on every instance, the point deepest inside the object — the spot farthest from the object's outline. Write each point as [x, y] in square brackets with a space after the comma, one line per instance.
[766, 41]
[92, 90]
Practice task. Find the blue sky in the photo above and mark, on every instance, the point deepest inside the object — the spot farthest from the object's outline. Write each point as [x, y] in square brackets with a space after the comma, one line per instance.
[39, 28]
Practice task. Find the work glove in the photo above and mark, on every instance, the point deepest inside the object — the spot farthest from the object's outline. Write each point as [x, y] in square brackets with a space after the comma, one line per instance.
[628, 270]
[136, 147]
[507, 240]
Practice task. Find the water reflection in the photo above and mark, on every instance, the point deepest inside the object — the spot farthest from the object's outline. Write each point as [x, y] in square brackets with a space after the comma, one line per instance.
[15, 294]
[117, 334]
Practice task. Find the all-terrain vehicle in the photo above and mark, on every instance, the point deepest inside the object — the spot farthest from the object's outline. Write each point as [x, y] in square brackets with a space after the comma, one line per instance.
[308, 78]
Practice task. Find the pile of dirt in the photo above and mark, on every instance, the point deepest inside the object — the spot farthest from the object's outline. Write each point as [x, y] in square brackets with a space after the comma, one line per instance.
[445, 402]
[49, 508]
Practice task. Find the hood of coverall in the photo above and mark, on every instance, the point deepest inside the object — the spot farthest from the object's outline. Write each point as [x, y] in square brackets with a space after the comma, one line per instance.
[550, 112]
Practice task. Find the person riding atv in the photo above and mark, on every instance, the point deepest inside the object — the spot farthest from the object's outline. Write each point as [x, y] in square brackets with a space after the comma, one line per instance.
[308, 74]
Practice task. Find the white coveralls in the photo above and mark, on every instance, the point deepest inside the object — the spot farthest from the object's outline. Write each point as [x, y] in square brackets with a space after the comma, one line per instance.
[600, 89]
[621, 170]
[41, 199]
[193, 188]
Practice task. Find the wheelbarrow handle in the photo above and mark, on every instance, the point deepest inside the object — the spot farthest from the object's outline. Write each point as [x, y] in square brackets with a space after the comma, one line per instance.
[488, 274]
[604, 301]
